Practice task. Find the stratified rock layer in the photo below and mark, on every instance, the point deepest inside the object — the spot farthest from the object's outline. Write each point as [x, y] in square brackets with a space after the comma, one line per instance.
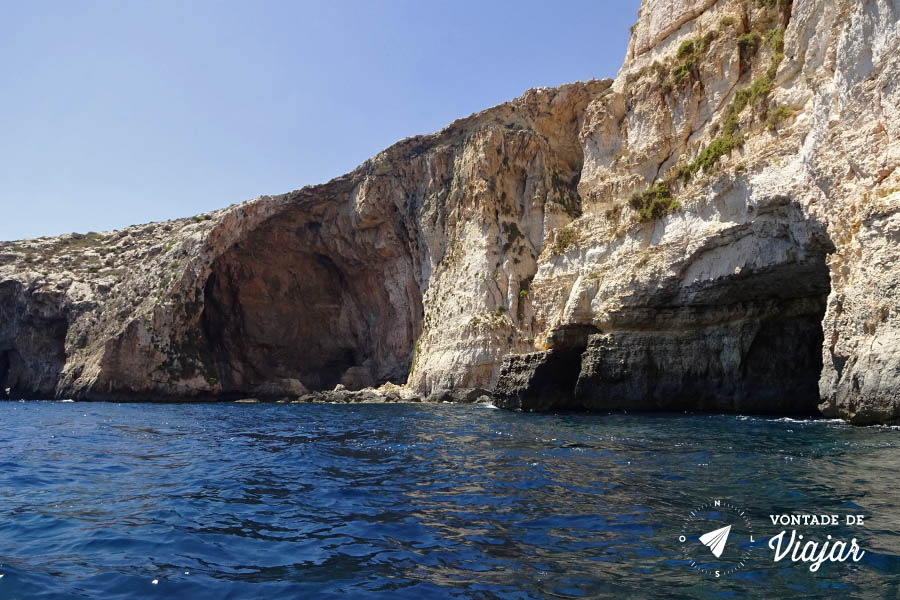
[715, 229]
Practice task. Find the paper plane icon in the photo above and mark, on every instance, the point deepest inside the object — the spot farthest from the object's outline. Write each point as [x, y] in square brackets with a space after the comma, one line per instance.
[715, 540]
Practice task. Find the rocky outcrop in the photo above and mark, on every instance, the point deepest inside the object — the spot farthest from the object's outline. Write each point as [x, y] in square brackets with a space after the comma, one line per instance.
[321, 287]
[746, 339]
[715, 229]
[748, 133]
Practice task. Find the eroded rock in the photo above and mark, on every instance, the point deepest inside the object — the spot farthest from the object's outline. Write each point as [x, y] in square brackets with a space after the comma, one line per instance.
[665, 240]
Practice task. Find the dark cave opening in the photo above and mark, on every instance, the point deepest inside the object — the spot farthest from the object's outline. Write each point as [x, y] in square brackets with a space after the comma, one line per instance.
[4, 373]
[756, 349]
[278, 319]
[746, 342]
[290, 304]
[782, 367]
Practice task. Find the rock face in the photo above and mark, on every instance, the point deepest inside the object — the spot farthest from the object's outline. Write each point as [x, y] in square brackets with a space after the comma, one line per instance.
[715, 229]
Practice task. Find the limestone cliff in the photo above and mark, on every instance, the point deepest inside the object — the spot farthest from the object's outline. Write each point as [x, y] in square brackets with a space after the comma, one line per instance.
[715, 229]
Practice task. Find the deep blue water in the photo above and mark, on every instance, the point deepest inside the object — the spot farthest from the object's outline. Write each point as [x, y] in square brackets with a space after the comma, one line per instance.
[421, 501]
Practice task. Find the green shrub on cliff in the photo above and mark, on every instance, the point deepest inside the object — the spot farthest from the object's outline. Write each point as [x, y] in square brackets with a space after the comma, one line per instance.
[685, 49]
[654, 202]
[690, 53]
[731, 138]
[412, 365]
[705, 41]
[682, 72]
[718, 148]
[748, 44]
[776, 41]
[565, 238]
[778, 115]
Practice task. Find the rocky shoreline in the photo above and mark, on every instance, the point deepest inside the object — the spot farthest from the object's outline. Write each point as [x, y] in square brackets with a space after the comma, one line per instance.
[385, 394]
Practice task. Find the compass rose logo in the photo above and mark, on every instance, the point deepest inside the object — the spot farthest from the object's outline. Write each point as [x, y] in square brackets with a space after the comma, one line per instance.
[717, 538]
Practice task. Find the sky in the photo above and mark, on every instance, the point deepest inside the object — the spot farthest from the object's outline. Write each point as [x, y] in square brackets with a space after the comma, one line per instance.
[128, 111]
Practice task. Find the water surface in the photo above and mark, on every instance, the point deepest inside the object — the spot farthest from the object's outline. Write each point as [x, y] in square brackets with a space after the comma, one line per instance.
[420, 501]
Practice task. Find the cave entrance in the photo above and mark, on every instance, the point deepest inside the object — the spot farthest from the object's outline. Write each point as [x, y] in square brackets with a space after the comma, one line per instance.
[4, 373]
[291, 305]
[781, 366]
[746, 344]
[748, 340]
[291, 318]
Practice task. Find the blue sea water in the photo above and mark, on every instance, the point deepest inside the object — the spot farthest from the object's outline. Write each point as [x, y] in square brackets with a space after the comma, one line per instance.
[422, 501]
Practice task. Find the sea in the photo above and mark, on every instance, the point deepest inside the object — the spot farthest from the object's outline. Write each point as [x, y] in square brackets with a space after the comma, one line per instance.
[240, 500]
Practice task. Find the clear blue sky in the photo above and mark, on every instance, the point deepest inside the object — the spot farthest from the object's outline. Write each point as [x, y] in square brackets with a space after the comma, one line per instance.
[124, 111]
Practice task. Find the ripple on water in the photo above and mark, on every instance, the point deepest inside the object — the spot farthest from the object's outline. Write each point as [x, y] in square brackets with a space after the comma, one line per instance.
[258, 500]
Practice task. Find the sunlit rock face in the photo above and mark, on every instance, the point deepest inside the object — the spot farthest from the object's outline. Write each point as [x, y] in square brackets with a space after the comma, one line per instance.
[772, 285]
[411, 268]
[715, 229]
